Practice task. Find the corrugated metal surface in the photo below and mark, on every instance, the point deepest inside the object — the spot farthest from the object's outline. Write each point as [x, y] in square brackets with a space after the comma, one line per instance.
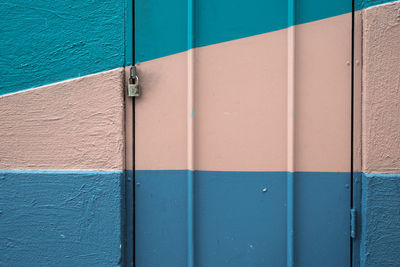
[243, 133]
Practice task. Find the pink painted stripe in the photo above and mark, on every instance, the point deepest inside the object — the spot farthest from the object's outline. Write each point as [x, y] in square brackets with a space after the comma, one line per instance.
[160, 138]
[240, 103]
[75, 124]
[381, 89]
[323, 95]
[128, 125]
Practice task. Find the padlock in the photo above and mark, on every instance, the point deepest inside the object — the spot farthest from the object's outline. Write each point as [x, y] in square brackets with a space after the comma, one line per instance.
[133, 87]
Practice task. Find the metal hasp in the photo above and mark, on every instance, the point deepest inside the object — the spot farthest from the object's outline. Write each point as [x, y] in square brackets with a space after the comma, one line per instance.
[353, 222]
[133, 83]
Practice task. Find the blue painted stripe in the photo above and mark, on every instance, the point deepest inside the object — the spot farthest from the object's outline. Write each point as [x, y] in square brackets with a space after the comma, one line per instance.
[356, 201]
[161, 218]
[60, 218]
[290, 219]
[322, 219]
[128, 218]
[380, 217]
[190, 218]
[161, 26]
[48, 41]
[241, 218]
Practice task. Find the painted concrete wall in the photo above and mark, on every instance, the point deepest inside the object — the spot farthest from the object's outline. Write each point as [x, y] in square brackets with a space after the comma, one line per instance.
[62, 173]
[60, 218]
[380, 203]
[74, 124]
[46, 41]
[62, 142]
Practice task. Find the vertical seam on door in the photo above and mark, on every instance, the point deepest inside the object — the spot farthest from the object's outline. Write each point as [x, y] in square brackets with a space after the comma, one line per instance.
[290, 132]
[353, 195]
[190, 134]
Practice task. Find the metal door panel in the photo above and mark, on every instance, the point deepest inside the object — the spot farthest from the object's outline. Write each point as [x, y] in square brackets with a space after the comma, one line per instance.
[243, 133]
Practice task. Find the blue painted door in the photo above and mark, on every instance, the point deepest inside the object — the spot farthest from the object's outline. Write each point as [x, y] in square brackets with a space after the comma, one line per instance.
[243, 133]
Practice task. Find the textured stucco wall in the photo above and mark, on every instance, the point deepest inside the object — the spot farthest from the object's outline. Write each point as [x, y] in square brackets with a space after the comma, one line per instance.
[62, 142]
[380, 220]
[361, 4]
[47, 41]
[60, 218]
[381, 89]
[380, 201]
[62, 173]
[74, 124]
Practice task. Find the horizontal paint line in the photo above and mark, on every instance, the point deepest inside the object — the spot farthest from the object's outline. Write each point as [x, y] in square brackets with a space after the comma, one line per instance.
[178, 172]
[73, 79]
[161, 25]
[102, 172]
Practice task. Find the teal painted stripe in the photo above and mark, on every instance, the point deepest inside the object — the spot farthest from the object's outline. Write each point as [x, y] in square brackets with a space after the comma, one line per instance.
[161, 26]
[128, 32]
[241, 218]
[43, 42]
[361, 4]
[46, 42]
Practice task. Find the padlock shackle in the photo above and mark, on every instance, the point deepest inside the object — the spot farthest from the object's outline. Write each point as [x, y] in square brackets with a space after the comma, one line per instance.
[133, 71]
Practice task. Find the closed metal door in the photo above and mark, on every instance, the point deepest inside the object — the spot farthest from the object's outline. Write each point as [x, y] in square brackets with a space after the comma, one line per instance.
[243, 133]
